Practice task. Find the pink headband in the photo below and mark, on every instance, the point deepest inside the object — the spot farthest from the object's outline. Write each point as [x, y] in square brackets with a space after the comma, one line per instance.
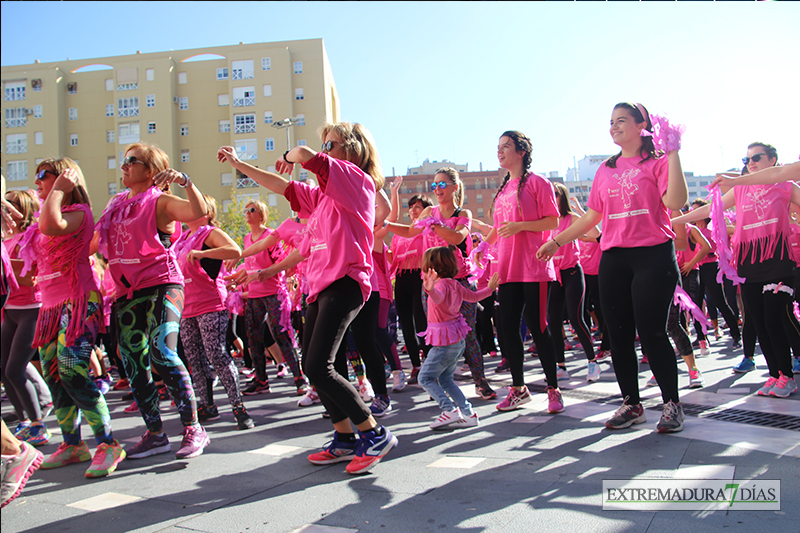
[645, 114]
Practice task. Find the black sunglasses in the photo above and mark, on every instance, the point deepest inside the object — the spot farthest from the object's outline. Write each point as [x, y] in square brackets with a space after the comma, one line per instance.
[328, 146]
[755, 159]
[131, 160]
[41, 173]
[249, 209]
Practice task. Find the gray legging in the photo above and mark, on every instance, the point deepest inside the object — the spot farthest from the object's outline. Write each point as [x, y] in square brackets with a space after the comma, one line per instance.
[16, 338]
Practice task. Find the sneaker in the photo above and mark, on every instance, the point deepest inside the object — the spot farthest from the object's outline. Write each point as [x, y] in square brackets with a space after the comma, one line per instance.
[626, 416]
[737, 344]
[17, 470]
[493, 353]
[282, 370]
[562, 374]
[465, 368]
[132, 408]
[380, 405]
[301, 384]
[645, 360]
[365, 390]
[149, 445]
[765, 390]
[567, 346]
[243, 420]
[717, 334]
[602, 355]
[504, 366]
[206, 413]
[412, 379]
[194, 440]
[533, 350]
[784, 387]
[671, 418]
[106, 458]
[309, 399]
[103, 384]
[795, 368]
[744, 366]
[555, 404]
[326, 415]
[594, 372]
[256, 387]
[247, 372]
[398, 380]
[21, 428]
[67, 454]
[704, 348]
[484, 391]
[652, 382]
[370, 449]
[122, 384]
[334, 451]
[467, 422]
[447, 418]
[696, 380]
[36, 435]
[514, 399]
[127, 397]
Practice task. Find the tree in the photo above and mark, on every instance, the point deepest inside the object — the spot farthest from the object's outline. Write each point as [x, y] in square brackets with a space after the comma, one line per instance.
[233, 222]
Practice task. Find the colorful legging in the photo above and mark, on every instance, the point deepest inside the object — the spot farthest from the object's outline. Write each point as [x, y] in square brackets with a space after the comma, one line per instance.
[269, 308]
[147, 332]
[66, 371]
[203, 339]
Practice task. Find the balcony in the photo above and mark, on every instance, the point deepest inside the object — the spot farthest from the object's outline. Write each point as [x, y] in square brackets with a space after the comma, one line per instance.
[245, 183]
[244, 128]
[16, 122]
[127, 86]
[128, 112]
[246, 156]
[244, 102]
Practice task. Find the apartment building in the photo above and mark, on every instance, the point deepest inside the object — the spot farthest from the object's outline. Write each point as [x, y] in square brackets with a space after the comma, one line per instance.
[188, 102]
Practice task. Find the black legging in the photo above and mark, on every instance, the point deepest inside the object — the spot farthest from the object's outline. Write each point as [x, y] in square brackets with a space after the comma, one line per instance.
[408, 302]
[639, 284]
[483, 327]
[716, 298]
[327, 320]
[593, 298]
[691, 284]
[529, 299]
[570, 292]
[770, 312]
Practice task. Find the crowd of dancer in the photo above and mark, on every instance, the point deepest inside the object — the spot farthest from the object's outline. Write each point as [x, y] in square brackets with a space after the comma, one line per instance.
[172, 298]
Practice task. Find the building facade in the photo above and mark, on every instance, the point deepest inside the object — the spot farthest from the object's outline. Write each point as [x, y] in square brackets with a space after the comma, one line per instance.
[188, 102]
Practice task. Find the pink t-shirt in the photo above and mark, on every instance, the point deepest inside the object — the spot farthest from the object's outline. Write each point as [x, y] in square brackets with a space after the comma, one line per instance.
[446, 324]
[382, 271]
[629, 199]
[406, 253]
[517, 254]
[201, 293]
[431, 239]
[339, 235]
[569, 254]
[260, 261]
[590, 258]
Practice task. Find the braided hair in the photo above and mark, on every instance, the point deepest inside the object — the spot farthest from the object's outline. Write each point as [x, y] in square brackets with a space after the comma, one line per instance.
[647, 149]
[521, 144]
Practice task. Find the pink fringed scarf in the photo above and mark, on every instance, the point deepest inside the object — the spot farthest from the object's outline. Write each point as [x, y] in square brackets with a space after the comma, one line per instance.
[476, 268]
[684, 301]
[428, 223]
[720, 233]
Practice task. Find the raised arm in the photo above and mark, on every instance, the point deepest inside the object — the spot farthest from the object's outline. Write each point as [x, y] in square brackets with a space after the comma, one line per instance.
[171, 207]
[51, 220]
[677, 191]
[273, 182]
[762, 177]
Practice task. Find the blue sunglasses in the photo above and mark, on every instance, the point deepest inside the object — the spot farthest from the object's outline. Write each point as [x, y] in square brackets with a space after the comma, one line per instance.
[438, 185]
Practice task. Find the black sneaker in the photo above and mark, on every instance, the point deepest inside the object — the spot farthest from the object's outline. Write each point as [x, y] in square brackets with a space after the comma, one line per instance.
[206, 413]
[243, 420]
[256, 387]
[502, 367]
[485, 391]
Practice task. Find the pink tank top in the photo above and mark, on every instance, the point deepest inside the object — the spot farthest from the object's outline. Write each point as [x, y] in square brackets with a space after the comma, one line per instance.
[265, 259]
[22, 295]
[431, 240]
[201, 293]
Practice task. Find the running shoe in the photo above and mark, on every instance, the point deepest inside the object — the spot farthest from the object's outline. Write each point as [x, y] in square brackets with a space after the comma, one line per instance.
[282, 370]
[671, 418]
[132, 408]
[36, 435]
[106, 458]
[206, 413]
[484, 391]
[103, 385]
[247, 372]
[447, 418]
[22, 427]
[744, 366]
[194, 440]
[562, 374]
[398, 380]
[514, 399]
[67, 454]
[783, 388]
[555, 404]
[602, 355]
[533, 350]
[626, 416]
[412, 379]
[122, 384]
[309, 399]
[652, 382]
[365, 390]
[767, 388]
[594, 372]
[696, 380]
[717, 334]
[493, 353]
[149, 445]
[504, 366]
[380, 405]
[795, 368]
[467, 422]
[704, 348]
[371, 448]
[243, 420]
[301, 384]
[256, 387]
[17, 470]
[334, 451]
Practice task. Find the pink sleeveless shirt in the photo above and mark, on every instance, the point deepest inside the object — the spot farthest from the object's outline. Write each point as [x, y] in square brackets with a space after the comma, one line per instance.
[22, 295]
[431, 240]
[201, 293]
[260, 261]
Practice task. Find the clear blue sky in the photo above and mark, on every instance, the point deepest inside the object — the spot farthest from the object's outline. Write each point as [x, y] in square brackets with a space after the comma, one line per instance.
[443, 80]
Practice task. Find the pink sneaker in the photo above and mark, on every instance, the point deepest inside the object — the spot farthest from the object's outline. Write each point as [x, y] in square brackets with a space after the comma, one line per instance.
[554, 402]
[514, 399]
[194, 440]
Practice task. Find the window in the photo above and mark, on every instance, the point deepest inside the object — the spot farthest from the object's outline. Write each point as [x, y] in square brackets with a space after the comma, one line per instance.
[14, 90]
[298, 94]
[184, 130]
[226, 178]
[36, 85]
[298, 67]
[37, 111]
[150, 100]
[112, 163]
[17, 143]
[247, 149]
[267, 117]
[222, 73]
[16, 117]
[72, 87]
[128, 107]
[223, 99]
[480, 211]
[244, 96]
[73, 139]
[128, 133]
[479, 198]
[149, 74]
[112, 188]
[109, 85]
[37, 161]
[301, 120]
[17, 170]
[109, 110]
[242, 70]
[73, 113]
[303, 175]
[184, 156]
[183, 102]
[224, 126]
[244, 123]
[151, 127]
[244, 182]
[182, 78]
[691, 184]
[272, 199]
[38, 137]
[266, 63]
[302, 142]
[269, 144]
[109, 136]
[267, 90]
[405, 217]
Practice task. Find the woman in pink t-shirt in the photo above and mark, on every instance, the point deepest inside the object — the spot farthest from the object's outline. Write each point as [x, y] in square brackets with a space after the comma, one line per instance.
[338, 246]
[632, 194]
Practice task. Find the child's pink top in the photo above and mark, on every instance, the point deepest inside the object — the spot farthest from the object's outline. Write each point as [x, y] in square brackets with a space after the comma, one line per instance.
[407, 253]
[517, 254]
[22, 295]
[629, 199]
[590, 258]
[201, 293]
[339, 238]
[567, 255]
[260, 261]
[446, 324]
[762, 219]
[129, 238]
[712, 254]
[382, 270]
[431, 240]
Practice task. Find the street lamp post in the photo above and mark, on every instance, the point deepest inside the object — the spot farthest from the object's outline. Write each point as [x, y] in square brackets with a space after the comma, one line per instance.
[286, 124]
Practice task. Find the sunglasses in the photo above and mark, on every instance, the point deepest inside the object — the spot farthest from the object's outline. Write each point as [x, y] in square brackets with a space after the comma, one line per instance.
[131, 160]
[755, 159]
[328, 146]
[249, 209]
[40, 175]
[438, 185]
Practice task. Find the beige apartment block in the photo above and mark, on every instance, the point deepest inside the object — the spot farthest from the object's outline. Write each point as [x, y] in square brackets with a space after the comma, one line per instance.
[188, 102]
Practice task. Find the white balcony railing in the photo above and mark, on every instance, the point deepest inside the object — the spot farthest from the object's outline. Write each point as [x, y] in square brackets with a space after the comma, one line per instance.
[128, 112]
[244, 102]
[244, 128]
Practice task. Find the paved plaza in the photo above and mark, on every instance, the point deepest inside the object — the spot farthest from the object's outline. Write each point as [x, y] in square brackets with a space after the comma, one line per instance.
[520, 471]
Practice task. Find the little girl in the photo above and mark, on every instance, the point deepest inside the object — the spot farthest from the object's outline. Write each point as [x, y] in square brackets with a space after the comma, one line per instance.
[446, 332]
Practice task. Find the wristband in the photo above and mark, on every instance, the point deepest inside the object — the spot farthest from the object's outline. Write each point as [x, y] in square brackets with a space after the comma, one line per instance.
[555, 241]
[186, 182]
[287, 159]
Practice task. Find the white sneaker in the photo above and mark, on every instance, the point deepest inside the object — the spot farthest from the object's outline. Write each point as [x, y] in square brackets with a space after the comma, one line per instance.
[696, 380]
[594, 372]
[467, 422]
[447, 418]
[398, 380]
[704, 348]
[309, 399]
[562, 374]
[365, 390]
[652, 382]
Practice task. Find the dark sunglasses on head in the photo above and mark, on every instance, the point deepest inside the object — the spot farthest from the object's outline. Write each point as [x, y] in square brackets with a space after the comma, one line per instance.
[438, 185]
[40, 175]
[131, 160]
[755, 159]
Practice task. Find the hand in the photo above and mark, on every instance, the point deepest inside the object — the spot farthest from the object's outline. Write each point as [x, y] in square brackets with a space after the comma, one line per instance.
[686, 268]
[429, 279]
[507, 229]
[265, 274]
[167, 176]
[237, 278]
[283, 166]
[230, 264]
[394, 187]
[9, 214]
[228, 153]
[66, 181]
[724, 179]
[547, 251]
[576, 205]
[193, 255]
[495, 281]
